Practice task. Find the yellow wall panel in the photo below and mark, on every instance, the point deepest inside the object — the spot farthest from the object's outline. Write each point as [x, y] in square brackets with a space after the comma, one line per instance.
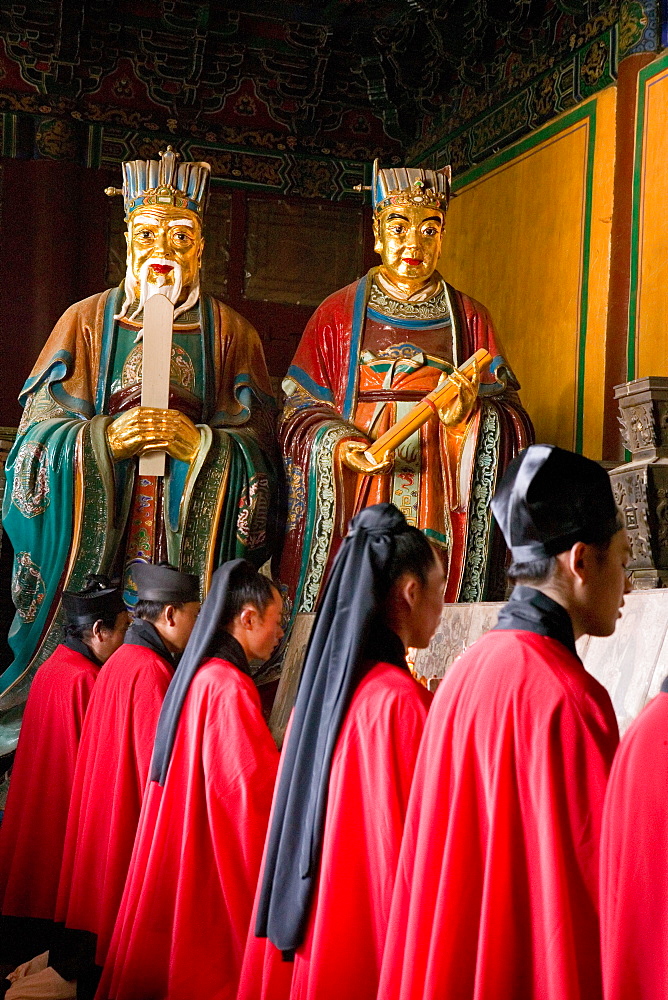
[529, 236]
[648, 325]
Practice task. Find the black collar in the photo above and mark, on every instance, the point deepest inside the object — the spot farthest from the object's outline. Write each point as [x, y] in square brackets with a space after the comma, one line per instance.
[529, 610]
[384, 646]
[143, 633]
[79, 646]
[226, 647]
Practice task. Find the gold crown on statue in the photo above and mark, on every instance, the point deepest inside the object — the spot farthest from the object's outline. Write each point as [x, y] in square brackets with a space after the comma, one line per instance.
[164, 182]
[396, 186]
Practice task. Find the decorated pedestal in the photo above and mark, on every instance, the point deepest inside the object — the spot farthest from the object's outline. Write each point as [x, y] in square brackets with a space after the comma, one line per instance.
[640, 486]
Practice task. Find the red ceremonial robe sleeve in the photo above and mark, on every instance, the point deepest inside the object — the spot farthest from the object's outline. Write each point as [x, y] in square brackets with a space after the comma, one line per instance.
[634, 862]
[497, 887]
[184, 917]
[370, 778]
[33, 828]
[110, 777]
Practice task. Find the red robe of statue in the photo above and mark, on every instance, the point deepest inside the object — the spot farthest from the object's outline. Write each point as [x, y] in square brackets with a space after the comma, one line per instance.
[634, 862]
[111, 774]
[33, 829]
[369, 784]
[184, 917]
[339, 380]
[496, 893]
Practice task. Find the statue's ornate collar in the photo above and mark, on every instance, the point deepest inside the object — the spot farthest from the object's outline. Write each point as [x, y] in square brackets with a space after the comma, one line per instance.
[433, 287]
[431, 308]
[529, 610]
[189, 320]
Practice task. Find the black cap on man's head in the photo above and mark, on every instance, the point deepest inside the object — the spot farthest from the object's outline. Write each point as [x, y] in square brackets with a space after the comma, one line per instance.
[549, 499]
[161, 582]
[98, 600]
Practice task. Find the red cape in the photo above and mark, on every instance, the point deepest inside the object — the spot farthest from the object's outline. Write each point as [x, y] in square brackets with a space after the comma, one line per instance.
[369, 783]
[33, 828]
[497, 888]
[109, 781]
[184, 917]
[634, 862]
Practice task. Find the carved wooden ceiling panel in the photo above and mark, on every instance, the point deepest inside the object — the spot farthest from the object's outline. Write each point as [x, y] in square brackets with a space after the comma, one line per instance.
[346, 78]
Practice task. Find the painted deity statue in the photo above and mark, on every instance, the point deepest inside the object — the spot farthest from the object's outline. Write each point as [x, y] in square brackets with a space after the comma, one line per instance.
[74, 501]
[369, 353]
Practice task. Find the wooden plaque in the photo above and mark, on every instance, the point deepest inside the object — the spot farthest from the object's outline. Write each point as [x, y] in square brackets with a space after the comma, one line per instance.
[156, 363]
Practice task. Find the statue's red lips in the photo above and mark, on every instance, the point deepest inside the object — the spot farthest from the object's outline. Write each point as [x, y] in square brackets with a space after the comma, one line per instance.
[162, 268]
[413, 261]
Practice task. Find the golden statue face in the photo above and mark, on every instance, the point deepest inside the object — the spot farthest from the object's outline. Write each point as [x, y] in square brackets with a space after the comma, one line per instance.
[408, 239]
[165, 247]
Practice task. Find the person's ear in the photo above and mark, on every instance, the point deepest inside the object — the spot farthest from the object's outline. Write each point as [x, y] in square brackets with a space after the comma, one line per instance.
[409, 589]
[97, 630]
[248, 616]
[170, 615]
[578, 560]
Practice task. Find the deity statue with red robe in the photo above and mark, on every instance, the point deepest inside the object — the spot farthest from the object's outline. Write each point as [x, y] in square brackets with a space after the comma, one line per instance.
[370, 352]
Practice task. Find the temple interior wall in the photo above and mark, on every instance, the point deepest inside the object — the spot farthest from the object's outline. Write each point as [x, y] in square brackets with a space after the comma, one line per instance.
[648, 330]
[563, 237]
[529, 236]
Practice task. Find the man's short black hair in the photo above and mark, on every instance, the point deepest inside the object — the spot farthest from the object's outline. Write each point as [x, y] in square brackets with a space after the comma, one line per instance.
[412, 554]
[150, 611]
[247, 586]
[85, 632]
[532, 574]
[541, 570]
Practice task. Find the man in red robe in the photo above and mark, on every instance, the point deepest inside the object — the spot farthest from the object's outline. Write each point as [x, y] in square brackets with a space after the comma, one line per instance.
[634, 849]
[187, 903]
[346, 771]
[114, 757]
[33, 828]
[497, 886]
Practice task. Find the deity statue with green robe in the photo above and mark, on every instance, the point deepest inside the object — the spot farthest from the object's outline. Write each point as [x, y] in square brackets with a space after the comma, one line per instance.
[75, 502]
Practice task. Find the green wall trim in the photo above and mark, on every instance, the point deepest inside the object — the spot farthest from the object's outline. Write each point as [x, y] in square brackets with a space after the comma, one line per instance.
[277, 171]
[586, 115]
[485, 133]
[656, 68]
